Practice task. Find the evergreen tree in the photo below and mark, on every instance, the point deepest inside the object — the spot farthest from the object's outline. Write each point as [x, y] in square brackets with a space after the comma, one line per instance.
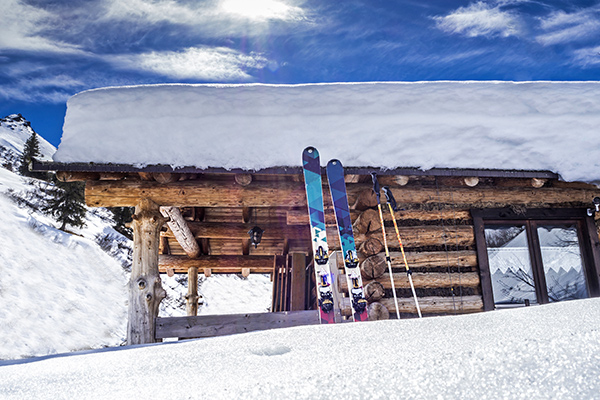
[67, 204]
[30, 151]
[122, 216]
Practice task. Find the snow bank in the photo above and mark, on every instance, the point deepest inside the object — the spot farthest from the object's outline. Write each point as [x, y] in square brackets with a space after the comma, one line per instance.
[541, 352]
[498, 125]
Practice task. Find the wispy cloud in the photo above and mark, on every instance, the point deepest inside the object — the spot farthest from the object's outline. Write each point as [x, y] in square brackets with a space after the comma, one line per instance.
[21, 28]
[587, 57]
[481, 19]
[562, 27]
[204, 63]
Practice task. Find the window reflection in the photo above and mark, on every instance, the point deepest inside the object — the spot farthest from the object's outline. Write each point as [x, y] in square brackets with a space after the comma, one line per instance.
[563, 266]
[510, 265]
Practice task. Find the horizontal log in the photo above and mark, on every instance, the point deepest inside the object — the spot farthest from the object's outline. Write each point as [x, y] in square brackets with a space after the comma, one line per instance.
[195, 194]
[291, 194]
[218, 325]
[491, 196]
[215, 230]
[428, 259]
[217, 264]
[428, 235]
[428, 280]
[428, 305]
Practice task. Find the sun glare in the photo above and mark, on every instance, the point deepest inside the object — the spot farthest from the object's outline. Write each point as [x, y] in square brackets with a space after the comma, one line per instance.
[260, 9]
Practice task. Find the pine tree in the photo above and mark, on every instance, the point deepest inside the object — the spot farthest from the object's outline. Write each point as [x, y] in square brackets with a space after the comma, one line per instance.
[122, 216]
[30, 151]
[67, 204]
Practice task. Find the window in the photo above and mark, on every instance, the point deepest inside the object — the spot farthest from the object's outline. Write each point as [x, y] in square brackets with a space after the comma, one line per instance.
[535, 257]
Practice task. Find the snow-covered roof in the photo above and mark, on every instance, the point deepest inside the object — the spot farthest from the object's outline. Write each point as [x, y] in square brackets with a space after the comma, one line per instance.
[448, 124]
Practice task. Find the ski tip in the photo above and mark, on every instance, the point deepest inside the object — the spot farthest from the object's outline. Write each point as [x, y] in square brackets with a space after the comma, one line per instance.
[334, 163]
[311, 150]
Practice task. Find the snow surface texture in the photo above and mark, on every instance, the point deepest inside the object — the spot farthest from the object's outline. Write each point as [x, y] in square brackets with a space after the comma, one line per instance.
[483, 125]
[59, 292]
[540, 352]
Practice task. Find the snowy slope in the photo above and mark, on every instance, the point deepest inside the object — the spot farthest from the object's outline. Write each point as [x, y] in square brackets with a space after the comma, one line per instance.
[59, 292]
[541, 352]
[497, 125]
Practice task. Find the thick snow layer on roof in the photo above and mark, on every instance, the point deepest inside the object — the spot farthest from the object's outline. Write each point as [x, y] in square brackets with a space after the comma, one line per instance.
[483, 125]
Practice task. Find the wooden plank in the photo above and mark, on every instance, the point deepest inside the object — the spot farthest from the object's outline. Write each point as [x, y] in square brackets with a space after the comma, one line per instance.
[219, 325]
[428, 305]
[298, 282]
[217, 264]
[429, 280]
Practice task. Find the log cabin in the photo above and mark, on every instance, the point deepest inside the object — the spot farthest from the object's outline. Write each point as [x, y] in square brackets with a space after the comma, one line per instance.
[497, 202]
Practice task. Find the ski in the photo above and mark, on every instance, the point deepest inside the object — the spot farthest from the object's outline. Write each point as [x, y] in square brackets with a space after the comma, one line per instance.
[337, 186]
[314, 196]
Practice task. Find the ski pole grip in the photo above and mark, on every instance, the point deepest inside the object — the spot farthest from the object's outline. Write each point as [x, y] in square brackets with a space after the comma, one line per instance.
[390, 198]
[376, 187]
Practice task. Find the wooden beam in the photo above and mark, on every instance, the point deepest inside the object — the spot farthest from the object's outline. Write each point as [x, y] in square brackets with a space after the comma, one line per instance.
[181, 231]
[195, 194]
[215, 230]
[217, 264]
[218, 325]
[291, 194]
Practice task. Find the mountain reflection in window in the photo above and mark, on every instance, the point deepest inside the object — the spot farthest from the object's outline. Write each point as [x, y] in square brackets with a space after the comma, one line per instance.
[510, 265]
[563, 266]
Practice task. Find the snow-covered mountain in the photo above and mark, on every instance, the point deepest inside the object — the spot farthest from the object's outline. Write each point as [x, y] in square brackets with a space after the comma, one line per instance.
[62, 292]
[14, 132]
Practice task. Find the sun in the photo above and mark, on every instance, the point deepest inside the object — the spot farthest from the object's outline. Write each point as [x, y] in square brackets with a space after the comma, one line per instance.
[260, 9]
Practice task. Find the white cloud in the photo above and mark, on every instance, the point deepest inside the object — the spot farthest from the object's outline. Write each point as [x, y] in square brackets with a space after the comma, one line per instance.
[21, 26]
[587, 57]
[216, 64]
[481, 19]
[261, 10]
[202, 15]
[561, 27]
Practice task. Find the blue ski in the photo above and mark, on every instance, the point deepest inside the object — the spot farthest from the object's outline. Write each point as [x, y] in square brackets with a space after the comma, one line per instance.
[314, 197]
[337, 186]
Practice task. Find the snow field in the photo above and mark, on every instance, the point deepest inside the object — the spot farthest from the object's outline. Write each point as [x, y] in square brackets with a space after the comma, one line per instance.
[542, 352]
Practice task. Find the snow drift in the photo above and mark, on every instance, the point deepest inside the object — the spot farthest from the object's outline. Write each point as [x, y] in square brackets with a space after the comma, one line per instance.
[484, 125]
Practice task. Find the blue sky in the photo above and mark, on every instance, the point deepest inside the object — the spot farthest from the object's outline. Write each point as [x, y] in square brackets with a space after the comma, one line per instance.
[52, 49]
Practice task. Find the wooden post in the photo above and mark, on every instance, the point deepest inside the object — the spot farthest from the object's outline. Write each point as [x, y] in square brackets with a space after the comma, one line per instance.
[145, 289]
[192, 296]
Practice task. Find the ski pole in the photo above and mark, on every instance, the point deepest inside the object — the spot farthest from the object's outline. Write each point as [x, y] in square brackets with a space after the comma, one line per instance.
[388, 259]
[391, 201]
